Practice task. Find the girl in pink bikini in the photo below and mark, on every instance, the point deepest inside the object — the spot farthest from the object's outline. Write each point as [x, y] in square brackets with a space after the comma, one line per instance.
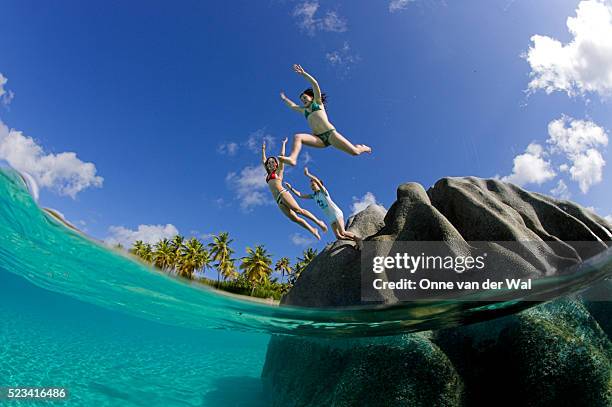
[285, 201]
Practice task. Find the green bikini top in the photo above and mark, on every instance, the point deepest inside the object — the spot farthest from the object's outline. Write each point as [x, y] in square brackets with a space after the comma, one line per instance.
[314, 107]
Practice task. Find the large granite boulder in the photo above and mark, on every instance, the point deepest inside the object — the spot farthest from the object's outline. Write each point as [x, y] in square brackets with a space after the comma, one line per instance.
[553, 354]
[407, 370]
[332, 278]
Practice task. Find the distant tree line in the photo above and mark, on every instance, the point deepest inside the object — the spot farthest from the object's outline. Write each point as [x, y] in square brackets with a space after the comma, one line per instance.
[248, 275]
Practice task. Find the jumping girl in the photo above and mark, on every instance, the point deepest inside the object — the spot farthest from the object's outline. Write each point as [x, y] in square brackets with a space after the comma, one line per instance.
[323, 132]
[332, 213]
[286, 202]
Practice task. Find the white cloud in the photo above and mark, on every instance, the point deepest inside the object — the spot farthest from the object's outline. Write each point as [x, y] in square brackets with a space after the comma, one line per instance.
[5, 95]
[609, 219]
[300, 240]
[333, 22]
[249, 186]
[306, 158]
[64, 173]
[256, 139]
[229, 148]
[582, 65]
[359, 204]
[200, 235]
[3, 81]
[561, 191]
[587, 169]
[574, 137]
[580, 141]
[397, 5]
[306, 14]
[530, 167]
[342, 58]
[147, 233]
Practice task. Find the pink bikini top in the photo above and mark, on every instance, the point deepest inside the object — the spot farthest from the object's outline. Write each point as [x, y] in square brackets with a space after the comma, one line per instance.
[271, 176]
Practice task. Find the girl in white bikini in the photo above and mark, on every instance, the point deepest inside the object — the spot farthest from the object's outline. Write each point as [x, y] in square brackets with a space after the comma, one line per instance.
[333, 214]
[323, 132]
[286, 202]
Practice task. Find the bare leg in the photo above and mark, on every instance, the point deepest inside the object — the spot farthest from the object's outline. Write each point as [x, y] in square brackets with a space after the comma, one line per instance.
[302, 222]
[298, 140]
[291, 203]
[341, 233]
[337, 140]
[336, 231]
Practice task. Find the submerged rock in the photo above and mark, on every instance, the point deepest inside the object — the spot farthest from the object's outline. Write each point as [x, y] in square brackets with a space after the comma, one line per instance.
[553, 354]
[398, 371]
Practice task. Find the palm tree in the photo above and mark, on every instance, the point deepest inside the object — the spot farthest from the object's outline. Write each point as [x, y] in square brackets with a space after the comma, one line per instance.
[164, 255]
[283, 265]
[177, 247]
[227, 269]
[221, 252]
[137, 247]
[193, 257]
[256, 265]
[146, 253]
[206, 260]
[302, 262]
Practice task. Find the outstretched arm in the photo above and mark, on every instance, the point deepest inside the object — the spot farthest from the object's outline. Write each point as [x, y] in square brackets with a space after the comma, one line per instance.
[296, 192]
[315, 85]
[263, 153]
[292, 105]
[315, 179]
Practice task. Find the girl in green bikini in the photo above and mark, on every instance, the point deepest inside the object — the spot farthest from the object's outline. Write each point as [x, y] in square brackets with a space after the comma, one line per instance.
[323, 132]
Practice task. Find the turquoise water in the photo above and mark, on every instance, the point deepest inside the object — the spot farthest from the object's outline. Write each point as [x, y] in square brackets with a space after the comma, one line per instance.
[105, 358]
[115, 332]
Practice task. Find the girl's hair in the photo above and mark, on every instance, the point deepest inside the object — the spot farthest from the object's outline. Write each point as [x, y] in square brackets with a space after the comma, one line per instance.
[310, 93]
[321, 181]
[268, 160]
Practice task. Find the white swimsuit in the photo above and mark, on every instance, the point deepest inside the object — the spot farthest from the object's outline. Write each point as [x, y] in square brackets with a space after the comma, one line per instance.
[330, 209]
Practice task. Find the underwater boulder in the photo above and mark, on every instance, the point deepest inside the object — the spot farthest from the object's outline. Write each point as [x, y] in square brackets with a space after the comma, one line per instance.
[406, 370]
[550, 355]
[598, 301]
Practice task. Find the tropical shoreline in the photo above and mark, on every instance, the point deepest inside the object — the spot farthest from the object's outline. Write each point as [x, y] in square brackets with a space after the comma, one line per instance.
[252, 277]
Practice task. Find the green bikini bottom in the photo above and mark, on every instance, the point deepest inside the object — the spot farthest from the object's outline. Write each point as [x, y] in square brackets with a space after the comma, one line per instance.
[325, 136]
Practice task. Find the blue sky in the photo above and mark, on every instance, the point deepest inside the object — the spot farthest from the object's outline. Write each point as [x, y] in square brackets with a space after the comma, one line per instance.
[165, 104]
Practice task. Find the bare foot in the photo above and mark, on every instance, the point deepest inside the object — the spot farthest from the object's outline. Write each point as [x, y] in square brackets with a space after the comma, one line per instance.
[322, 225]
[287, 160]
[315, 232]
